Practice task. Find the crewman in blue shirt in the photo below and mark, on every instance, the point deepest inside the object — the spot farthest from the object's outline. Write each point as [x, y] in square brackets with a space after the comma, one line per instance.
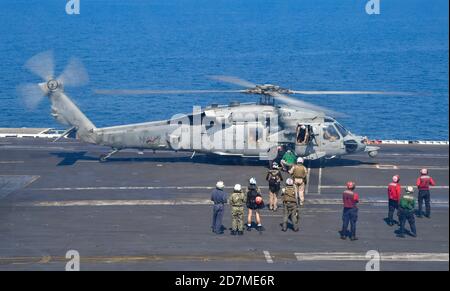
[219, 197]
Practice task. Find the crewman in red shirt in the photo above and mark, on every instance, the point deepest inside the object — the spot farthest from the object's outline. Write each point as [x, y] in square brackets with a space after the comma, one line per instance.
[350, 212]
[394, 195]
[423, 184]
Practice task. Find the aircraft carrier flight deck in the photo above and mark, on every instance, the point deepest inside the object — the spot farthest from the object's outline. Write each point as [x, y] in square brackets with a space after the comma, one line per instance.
[151, 211]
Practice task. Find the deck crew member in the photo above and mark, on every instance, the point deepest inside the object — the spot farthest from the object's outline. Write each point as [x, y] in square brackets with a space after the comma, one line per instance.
[350, 212]
[394, 194]
[299, 175]
[406, 212]
[290, 205]
[237, 202]
[254, 203]
[219, 197]
[423, 184]
[274, 178]
[288, 160]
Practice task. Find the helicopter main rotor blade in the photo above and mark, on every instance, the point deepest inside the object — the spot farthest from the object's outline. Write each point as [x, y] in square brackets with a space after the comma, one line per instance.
[31, 95]
[302, 104]
[149, 92]
[234, 80]
[42, 65]
[74, 74]
[348, 93]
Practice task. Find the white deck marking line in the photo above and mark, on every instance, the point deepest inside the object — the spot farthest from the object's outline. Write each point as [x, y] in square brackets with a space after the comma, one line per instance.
[171, 202]
[130, 188]
[12, 162]
[374, 187]
[120, 203]
[33, 179]
[406, 155]
[319, 186]
[268, 257]
[386, 167]
[307, 179]
[394, 257]
[399, 167]
[187, 187]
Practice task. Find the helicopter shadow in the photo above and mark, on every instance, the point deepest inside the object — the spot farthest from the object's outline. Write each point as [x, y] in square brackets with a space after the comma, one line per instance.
[71, 158]
[337, 163]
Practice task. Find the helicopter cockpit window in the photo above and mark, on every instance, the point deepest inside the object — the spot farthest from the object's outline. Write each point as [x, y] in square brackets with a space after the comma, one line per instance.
[341, 129]
[330, 133]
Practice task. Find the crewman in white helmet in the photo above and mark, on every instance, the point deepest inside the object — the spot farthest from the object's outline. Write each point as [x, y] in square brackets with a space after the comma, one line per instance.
[237, 202]
[219, 198]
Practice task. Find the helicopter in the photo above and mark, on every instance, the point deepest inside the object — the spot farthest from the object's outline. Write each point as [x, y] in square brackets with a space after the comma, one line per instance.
[247, 130]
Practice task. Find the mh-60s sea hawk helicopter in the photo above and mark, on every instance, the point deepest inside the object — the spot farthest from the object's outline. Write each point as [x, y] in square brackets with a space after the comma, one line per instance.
[243, 130]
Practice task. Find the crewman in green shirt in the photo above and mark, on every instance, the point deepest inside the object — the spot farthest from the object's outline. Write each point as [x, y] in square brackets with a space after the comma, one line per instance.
[406, 212]
[288, 160]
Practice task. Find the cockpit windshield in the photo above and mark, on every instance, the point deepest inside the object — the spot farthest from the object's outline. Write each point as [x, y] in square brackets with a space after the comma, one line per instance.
[344, 132]
[330, 133]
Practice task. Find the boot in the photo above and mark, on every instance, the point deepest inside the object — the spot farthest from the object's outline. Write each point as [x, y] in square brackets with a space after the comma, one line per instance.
[240, 232]
[249, 227]
[353, 238]
[233, 232]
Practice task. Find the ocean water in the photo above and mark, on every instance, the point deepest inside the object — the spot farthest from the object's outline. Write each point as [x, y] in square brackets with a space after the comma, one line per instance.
[176, 44]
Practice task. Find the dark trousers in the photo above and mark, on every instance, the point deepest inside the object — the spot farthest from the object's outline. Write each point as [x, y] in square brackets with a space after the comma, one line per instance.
[393, 205]
[424, 195]
[407, 215]
[349, 216]
[217, 217]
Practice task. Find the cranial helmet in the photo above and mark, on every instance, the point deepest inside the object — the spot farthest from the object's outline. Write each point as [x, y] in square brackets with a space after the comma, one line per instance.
[220, 185]
[350, 185]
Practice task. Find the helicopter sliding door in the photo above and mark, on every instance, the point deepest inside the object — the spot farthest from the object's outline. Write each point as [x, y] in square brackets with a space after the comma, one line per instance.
[304, 137]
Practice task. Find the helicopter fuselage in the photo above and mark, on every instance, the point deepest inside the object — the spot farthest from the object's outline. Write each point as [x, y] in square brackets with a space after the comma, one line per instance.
[245, 130]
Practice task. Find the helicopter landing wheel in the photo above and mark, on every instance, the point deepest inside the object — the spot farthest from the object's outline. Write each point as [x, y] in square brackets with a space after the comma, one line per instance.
[103, 158]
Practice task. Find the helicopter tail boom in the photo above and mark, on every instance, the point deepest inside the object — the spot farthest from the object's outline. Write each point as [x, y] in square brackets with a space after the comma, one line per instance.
[67, 113]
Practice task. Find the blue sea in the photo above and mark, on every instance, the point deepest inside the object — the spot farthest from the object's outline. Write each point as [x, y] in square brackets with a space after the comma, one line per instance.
[177, 44]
